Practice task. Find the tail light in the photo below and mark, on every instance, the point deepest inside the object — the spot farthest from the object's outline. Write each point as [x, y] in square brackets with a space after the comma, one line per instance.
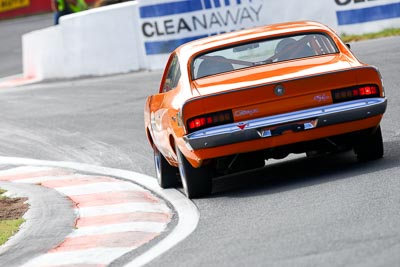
[209, 120]
[353, 93]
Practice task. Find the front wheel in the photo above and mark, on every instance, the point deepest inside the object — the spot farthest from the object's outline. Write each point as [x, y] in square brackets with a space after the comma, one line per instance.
[167, 175]
[370, 147]
[197, 182]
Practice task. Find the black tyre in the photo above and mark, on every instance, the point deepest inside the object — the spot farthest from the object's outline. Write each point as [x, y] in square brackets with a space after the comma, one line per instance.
[197, 182]
[167, 175]
[370, 147]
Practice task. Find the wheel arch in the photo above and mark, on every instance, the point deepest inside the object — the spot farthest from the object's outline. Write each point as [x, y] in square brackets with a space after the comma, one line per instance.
[149, 137]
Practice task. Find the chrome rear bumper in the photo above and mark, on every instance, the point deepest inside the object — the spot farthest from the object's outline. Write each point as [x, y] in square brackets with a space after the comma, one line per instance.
[293, 121]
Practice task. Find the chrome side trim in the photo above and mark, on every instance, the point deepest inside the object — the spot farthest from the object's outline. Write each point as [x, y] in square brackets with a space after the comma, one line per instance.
[302, 120]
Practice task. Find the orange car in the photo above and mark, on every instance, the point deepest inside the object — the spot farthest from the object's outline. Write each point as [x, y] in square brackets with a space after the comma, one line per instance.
[229, 102]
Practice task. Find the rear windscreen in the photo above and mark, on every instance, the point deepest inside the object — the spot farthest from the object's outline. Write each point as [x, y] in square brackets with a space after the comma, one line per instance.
[262, 52]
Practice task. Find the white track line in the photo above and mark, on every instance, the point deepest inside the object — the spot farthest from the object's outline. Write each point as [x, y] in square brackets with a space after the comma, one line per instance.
[96, 188]
[148, 227]
[188, 213]
[99, 256]
[39, 180]
[121, 208]
[42, 179]
[25, 169]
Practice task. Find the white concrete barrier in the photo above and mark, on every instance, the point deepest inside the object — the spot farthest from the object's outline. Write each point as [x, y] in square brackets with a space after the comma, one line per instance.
[42, 58]
[100, 41]
[141, 34]
[103, 41]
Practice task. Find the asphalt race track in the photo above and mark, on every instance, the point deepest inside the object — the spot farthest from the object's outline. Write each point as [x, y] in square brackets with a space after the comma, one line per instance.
[326, 211]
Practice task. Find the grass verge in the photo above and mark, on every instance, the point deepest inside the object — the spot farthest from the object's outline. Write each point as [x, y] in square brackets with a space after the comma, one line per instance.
[368, 36]
[8, 228]
[11, 212]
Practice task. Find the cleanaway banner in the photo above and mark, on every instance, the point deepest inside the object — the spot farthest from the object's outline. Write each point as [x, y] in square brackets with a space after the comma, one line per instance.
[351, 12]
[166, 24]
[365, 16]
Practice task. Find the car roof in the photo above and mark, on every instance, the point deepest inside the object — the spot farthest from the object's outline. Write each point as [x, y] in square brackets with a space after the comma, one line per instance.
[197, 46]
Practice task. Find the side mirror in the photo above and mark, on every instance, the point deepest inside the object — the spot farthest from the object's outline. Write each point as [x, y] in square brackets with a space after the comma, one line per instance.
[348, 45]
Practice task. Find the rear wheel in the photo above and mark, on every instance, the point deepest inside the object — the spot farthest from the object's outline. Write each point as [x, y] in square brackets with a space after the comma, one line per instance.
[197, 182]
[370, 147]
[167, 175]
